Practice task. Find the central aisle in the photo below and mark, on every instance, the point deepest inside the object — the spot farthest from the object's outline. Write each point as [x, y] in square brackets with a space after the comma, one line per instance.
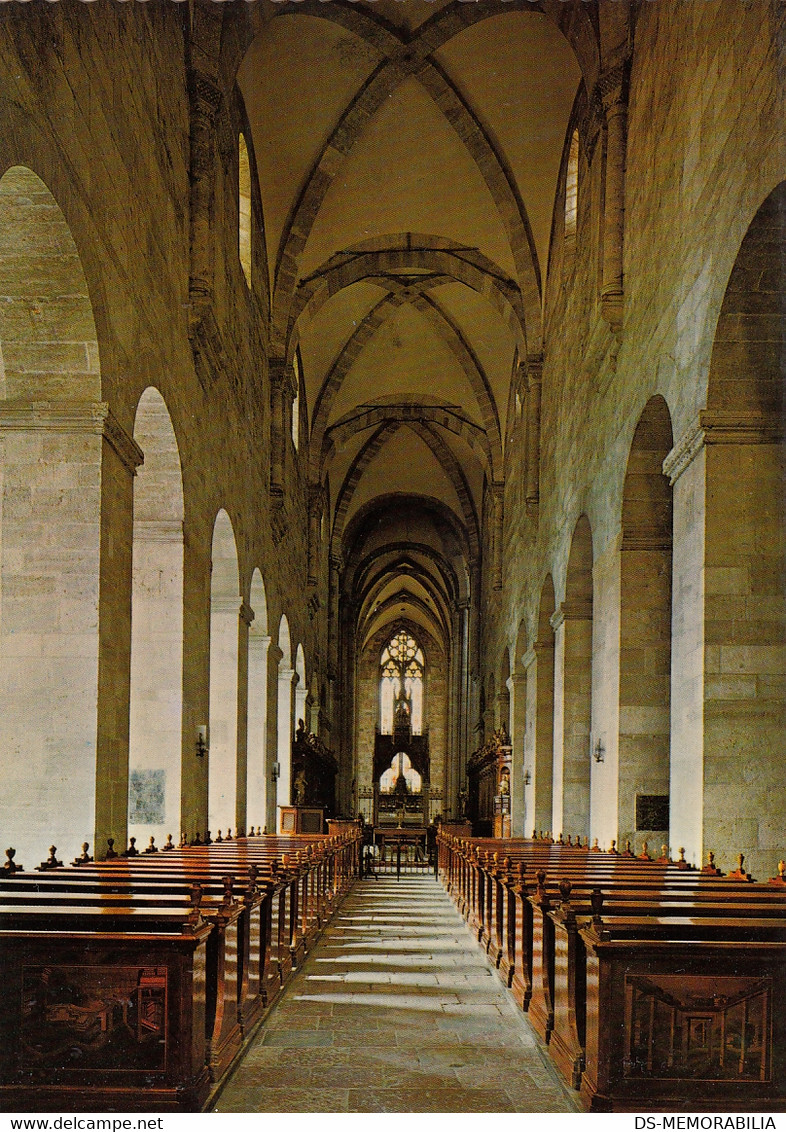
[395, 1010]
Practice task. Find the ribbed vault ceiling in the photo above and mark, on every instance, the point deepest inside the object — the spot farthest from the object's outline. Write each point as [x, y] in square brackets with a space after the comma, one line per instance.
[408, 156]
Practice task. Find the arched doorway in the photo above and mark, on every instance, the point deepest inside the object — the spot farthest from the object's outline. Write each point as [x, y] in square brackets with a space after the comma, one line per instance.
[155, 729]
[728, 701]
[52, 427]
[224, 636]
[645, 633]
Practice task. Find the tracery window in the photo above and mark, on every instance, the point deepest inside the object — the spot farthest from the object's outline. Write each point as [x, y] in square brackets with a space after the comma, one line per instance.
[296, 402]
[401, 683]
[572, 188]
[244, 208]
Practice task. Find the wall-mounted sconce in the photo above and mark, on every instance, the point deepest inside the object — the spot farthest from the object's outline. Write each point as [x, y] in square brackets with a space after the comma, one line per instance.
[527, 778]
[201, 740]
[598, 751]
[276, 771]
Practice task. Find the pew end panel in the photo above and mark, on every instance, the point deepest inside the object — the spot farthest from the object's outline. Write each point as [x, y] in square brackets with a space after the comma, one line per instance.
[106, 1022]
[684, 1026]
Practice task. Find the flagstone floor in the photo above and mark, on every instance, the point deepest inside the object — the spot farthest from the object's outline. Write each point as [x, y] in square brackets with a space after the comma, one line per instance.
[396, 1010]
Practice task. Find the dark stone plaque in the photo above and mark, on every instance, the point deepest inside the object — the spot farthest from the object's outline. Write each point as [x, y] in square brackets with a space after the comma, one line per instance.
[652, 812]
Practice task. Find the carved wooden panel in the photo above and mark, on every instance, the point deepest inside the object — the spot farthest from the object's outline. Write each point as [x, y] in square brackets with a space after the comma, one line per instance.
[694, 1027]
[94, 1018]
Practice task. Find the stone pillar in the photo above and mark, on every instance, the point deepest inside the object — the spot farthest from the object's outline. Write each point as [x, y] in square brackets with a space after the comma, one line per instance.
[729, 629]
[517, 688]
[204, 101]
[572, 624]
[534, 379]
[498, 522]
[274, 658]
[65, 630]
[276, 375]
[241, 803]
[155, 739]
[615, 106]
[286, 684]
[538, 664]
[258, 774]
[225, 620]
[316, 501]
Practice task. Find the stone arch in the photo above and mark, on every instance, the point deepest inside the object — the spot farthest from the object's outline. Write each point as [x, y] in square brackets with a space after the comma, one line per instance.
[572, 624]
[257, 772]
[728, 682]
[393, 259]
[156, 701]
[54, 609]
[224, 644]
[645, 631]
[284, 714]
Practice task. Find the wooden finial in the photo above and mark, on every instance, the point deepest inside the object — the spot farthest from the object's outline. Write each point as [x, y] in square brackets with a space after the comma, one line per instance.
[664, 858]
[51, 862]
[681, 862]
[132, 850]
[111, 852]
[627, 852]
[10, 866]
[711, 867]
[780, 879]
[218, 838]
[85, 858]
[152, 847]
[169, 844]
[595, 846]
[183, 840]
[229, 835]
[228, 883]
[644, 854]
[596, 903]
[613, 848]
[197, 839]
[208, 839]
[739, 873]
[564, 890]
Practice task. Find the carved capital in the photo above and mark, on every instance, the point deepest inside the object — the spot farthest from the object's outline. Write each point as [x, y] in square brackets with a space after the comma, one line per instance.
[73, 417]
[721, 427]
[571, 611]
[246, 613]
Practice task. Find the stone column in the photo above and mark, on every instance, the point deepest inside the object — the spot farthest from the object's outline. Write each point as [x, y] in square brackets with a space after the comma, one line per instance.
[615, 106]
[534, 379]
[225, 649]
[517, 687]
[538, 664]
[65, 631]
[274, 658]
[155, 737]
[286, 684]
[243, 641]
[498, 522]
[729, 628]
[276, 375]
[258, 773]
[572, 624]
[316, 499]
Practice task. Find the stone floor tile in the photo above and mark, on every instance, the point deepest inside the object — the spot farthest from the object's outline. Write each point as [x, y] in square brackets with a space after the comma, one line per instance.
[395, 1010]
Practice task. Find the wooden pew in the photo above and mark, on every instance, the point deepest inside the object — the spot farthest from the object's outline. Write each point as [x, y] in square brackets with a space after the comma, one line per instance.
[261, 903]
[535, 931]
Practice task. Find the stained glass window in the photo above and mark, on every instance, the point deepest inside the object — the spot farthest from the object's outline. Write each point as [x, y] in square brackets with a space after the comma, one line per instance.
[401, 682]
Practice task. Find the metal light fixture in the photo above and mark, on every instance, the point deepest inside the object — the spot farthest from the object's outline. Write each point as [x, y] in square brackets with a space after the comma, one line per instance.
[201, 740]
[598, 751]
[276, 771]
[527, 778]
